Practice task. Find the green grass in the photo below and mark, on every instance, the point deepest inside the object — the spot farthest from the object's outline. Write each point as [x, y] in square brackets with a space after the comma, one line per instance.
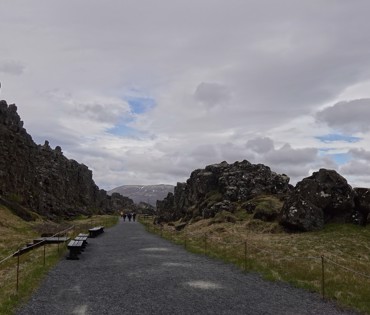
[31, 272]
[263, 247]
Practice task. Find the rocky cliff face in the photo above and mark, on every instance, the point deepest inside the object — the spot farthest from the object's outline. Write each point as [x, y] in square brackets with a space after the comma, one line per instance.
[362, 205]
[42, 179]
[218, 187]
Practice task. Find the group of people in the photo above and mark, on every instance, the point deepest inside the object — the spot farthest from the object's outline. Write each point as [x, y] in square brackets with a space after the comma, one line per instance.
[129, 216]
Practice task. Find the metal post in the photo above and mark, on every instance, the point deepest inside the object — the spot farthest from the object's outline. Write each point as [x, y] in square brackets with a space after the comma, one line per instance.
[322, 277]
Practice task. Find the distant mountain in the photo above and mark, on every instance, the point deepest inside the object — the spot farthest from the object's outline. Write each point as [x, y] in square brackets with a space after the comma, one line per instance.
[144, 193]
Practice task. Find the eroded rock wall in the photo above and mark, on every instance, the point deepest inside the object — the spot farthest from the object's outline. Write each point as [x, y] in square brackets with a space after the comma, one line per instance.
[42, 179]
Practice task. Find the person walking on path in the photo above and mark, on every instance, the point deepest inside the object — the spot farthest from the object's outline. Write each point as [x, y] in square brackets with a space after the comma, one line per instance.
[133, 216]
[124, 217]
[158, 277]
[129, 215]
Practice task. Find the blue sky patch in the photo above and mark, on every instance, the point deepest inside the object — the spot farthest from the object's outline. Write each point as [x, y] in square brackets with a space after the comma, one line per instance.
[338, 137]
[340, 158]
[122, 129]
[140, 105]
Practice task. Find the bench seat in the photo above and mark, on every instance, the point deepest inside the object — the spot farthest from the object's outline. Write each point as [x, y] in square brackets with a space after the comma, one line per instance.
[95, 231]
[75, 248]
[83, 239]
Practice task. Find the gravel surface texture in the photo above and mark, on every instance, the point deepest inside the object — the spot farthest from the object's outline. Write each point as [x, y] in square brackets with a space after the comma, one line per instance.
[127, 270]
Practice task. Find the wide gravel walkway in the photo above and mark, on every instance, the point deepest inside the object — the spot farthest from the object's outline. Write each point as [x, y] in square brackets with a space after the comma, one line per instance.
[127, 270]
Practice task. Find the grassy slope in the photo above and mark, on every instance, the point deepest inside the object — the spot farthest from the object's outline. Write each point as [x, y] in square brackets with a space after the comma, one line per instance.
[13, 232]
[295, 258]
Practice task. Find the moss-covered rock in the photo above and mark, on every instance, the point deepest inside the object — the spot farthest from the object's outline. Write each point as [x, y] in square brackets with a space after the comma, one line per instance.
[267, 208]
[224, 216]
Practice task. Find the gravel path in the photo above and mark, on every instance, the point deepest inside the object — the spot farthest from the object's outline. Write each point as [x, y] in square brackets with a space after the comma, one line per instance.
[127, 270]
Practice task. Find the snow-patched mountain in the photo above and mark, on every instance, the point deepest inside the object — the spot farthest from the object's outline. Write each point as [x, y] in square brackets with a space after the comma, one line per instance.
[144, 193]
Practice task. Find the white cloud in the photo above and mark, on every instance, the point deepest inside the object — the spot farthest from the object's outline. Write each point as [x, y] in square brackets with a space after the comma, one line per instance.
[357, 168]
[360, 154]
[260, 145]
[287, 155]
[347, 116]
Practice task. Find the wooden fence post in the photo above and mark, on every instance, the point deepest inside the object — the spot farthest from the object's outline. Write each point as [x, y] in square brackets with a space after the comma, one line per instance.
[205, 244]
[44, 253]
[245, 255]
[18, 272]
[323, 276]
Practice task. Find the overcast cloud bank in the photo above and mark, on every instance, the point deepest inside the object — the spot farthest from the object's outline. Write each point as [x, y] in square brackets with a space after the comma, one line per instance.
[144, 92]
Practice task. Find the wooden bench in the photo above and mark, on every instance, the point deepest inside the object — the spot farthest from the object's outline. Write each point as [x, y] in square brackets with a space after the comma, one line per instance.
[51, 240]
[75, 248]
[95, 231]
[84, 235]
[25, 249]
[83, 239]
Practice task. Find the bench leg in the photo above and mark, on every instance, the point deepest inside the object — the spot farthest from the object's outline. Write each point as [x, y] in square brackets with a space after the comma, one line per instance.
[73, 254]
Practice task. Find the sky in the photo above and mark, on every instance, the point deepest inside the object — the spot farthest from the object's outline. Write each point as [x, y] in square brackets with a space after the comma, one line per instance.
[145, 92]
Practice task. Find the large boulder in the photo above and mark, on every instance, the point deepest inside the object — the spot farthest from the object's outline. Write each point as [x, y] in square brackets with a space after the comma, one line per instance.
[325, 190]
[362, 202]
[299, 214]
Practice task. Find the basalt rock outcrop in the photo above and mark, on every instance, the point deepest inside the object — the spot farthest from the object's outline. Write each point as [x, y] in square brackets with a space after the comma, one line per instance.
[361, 214]
[324, 197]
[321, 198]
[218, 187]
[122, 203]
[42, 179]
[165, 209]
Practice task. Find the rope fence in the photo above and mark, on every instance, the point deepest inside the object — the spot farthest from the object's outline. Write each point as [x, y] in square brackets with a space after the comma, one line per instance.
[349, 269]
[35, 245]
[242, 252]
[29, 247]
